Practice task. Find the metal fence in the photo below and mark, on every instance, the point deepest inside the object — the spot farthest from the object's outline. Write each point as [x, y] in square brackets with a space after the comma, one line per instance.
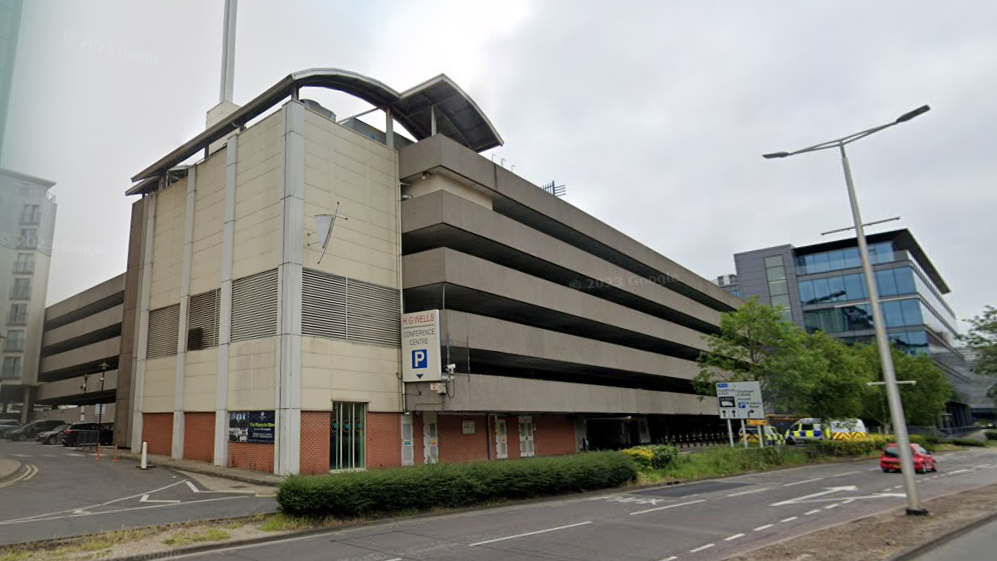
[87, 439]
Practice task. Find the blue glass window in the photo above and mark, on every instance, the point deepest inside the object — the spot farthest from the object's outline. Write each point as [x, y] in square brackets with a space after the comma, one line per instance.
[836, 259]
[885, 282]
[821, 290]
[893, 314]
[911, 310]
[852, 257]
[854, 287]
[821, 263]
[806, 292]
[905, 280]
[836, 287]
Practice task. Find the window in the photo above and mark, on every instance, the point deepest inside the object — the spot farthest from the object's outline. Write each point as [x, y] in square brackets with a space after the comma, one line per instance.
[164, 332]
[28, 238]
[31, 214]
[14, 341]
[25, 263]
[21, 289]
[348, 436]
[778, 288]
[11, 367]
[807, 292]
[855, 287]
[904, 277]
[202, 321]
[911, 311]
[885, 283]
[836, 289]
[18, 314]
[893, 314]
[254, 306]
[774, 261]
[328, 300]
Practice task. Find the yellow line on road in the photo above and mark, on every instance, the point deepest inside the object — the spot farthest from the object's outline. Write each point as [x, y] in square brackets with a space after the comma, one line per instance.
[29, 472]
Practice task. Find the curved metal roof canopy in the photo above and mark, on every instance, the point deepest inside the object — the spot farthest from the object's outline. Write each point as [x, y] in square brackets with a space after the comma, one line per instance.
[457, 116]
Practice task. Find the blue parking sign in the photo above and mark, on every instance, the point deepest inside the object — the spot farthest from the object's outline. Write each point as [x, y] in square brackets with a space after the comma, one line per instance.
[420, 358]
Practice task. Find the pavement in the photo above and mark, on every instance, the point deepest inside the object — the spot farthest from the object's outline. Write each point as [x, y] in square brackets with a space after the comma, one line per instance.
[8, 467]
[706, 521]
[976, 545]
[244, 475]
[61, 492]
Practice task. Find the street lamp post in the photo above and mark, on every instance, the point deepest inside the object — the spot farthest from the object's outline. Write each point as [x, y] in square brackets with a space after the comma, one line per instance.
[885, 356]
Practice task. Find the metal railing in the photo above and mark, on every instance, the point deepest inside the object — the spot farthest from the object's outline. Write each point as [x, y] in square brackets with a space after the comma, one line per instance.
[87, 439]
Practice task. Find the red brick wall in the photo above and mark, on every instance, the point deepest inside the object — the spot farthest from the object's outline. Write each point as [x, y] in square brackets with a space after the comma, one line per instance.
[384, 440]
[157, 431]
[458, 447]
[199, 437]
[314, 442]
[553, 435]
[251, 455]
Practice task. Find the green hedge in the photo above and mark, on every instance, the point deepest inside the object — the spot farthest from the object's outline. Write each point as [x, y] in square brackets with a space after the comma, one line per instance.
[844, 448]
[968, 442]
[991, 434]
[350, 495]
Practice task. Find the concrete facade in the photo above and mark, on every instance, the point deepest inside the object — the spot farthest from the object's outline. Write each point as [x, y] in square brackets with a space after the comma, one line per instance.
[236, 308]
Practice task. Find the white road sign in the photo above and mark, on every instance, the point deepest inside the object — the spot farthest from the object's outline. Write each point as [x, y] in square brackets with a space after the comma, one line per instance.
[421, 347]
[740, 400]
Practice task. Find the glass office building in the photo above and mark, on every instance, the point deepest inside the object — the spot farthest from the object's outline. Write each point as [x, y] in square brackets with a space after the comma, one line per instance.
[822, 288]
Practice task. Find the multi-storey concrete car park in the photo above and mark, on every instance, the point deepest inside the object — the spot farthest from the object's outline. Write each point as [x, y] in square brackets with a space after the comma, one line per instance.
[253, 338]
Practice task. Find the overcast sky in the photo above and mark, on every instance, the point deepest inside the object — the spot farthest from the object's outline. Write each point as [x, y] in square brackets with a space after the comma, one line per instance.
[654, 114]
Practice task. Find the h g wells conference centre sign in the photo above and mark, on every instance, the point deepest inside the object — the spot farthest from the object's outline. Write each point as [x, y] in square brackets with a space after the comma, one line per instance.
[421, 347]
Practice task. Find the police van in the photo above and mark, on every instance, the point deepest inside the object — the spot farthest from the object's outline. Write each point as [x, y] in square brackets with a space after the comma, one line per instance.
[772, 436]
[810, 429]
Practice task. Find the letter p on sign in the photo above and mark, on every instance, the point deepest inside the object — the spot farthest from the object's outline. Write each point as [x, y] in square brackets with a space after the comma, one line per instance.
[420, 358]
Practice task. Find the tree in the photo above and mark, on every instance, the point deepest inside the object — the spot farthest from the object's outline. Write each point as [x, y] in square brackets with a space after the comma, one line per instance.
[982, 340]
[838, 388]
[923, 402]
[756, 343]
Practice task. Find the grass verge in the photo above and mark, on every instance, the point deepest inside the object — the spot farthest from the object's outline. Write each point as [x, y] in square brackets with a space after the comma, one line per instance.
[187, 537]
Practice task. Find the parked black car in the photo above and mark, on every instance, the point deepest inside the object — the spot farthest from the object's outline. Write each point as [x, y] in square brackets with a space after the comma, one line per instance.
[7, 425]
[53, 436]
[71, 434]
[30, 430]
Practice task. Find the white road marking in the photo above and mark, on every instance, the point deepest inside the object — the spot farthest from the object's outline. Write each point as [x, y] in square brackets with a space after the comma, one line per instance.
[887, 490]
[790, 519]
[672, 558]
[88, 513]
[872, 469]
[21, 455]
[49, 456]
[235, 492]
[702, 547]
[829, 507]
[734, 537]
[846, 473]
[530, 533]
[29, 472]
[959, 471]
[802, 482]
[145, 499]
[55, 515]
[765, 527]
[395, 559]
[749, 492]
[810, 512]
[827, 491]
[666, 507]
[75, 455]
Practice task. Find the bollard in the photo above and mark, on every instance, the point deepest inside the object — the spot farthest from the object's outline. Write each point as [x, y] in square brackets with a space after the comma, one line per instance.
[145, 455]
[115, 460]
[97, 459]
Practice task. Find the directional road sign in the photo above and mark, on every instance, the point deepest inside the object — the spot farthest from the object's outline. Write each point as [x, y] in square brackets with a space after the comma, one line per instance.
[740, 400]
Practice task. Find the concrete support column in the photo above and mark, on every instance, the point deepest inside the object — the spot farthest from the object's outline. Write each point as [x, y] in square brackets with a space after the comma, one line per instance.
[142, 345]
[188, 251]
[26, 405]
[225, 305]
[289, 273]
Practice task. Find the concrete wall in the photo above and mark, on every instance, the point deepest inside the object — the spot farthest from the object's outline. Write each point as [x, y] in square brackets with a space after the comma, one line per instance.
[477, 392]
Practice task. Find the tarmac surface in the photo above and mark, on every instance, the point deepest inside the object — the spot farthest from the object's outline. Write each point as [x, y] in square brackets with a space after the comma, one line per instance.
[61, 492]
[977, 545]
[706, 521]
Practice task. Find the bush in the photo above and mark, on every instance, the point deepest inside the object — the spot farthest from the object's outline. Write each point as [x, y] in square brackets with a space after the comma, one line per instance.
[968, 442]
[991, 434]
[661, 455]
[349, 495]
[641, 456]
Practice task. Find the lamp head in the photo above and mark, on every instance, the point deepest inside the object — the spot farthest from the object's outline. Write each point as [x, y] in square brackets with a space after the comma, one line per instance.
[775, 155]
[911, 114]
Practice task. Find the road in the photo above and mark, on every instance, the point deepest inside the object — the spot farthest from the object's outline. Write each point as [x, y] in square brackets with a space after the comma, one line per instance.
[706, 521]
[60, 492]
[974, 546]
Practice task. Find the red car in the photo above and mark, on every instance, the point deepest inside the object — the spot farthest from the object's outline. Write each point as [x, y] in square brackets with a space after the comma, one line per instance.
[923, 460]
